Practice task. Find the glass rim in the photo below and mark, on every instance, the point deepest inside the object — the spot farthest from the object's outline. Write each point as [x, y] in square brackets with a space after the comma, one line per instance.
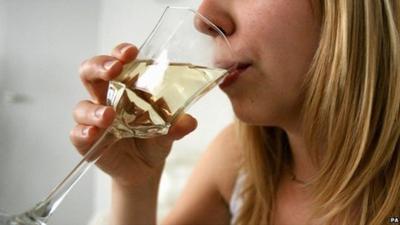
[195, 12]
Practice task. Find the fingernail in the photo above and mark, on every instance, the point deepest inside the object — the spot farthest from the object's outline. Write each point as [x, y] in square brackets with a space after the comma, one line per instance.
[99, 112]
[85, 131]
[124, 49]
[109, 64]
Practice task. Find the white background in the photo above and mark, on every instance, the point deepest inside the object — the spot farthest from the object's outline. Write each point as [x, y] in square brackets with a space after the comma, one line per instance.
[42, 43]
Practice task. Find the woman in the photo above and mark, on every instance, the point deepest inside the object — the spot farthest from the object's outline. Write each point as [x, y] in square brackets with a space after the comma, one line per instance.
[318, 121]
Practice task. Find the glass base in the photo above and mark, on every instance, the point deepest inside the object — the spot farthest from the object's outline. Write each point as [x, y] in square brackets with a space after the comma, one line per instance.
[23, 219]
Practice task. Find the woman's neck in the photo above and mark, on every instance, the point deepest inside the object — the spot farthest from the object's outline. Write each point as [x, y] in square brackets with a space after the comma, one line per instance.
[302, 168]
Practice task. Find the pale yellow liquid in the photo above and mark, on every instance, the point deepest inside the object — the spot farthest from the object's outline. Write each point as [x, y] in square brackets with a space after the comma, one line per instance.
[148, 96]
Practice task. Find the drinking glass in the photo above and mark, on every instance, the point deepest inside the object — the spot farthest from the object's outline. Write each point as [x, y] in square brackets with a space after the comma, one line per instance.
[182, 59]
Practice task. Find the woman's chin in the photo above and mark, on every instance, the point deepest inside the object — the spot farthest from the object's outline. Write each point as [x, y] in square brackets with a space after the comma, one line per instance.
[247, 116]
[256, 116]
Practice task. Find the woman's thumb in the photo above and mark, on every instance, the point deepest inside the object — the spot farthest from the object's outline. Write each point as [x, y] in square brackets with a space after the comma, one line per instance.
[183, 126]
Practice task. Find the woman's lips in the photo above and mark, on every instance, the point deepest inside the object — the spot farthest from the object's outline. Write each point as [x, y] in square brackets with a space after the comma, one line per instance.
[233, 75]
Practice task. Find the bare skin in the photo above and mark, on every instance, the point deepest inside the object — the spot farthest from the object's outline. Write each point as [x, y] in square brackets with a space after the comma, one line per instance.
[277, 38]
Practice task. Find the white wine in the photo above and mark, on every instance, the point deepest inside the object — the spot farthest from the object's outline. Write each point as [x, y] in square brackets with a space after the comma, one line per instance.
[148, 96]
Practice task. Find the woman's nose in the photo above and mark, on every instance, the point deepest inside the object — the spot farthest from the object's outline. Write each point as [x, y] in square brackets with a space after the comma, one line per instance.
[215, 11]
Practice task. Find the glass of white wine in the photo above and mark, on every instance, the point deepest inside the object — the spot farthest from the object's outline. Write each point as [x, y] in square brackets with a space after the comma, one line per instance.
[182, 59]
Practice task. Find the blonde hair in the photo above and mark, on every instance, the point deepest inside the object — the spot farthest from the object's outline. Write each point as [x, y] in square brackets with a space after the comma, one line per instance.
[351, 117]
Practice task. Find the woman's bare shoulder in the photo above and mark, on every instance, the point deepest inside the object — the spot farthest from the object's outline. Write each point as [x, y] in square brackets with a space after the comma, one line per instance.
[226, 158]
[207, 192]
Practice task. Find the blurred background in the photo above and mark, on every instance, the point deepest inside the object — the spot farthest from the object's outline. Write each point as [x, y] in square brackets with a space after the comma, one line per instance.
[42, 43]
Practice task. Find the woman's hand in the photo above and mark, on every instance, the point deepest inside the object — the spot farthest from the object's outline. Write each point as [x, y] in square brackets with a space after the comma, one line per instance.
[130, 162]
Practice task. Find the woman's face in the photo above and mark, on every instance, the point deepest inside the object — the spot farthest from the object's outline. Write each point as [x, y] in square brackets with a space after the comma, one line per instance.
[277, 40]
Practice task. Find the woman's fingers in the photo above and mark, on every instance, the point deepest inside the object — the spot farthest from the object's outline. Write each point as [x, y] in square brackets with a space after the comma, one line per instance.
[95, 74]
[158, 148]
[125, 52]
[183, 126]
[97, 71]
[83, 137]
[88, 113]
[92, 119]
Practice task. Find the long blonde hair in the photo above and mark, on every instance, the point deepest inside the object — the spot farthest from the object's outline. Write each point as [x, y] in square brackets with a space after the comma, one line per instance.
[351, 118]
